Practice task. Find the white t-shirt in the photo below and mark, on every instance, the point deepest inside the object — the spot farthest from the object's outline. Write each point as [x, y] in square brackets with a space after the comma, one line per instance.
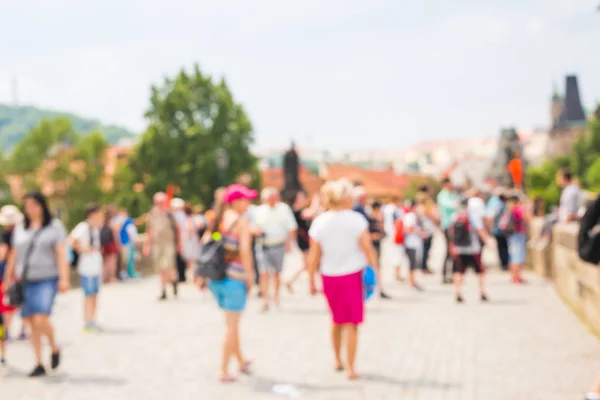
[476, 208]
[338, 233]
[275, 222]
[390, 213]
[412, 240]
[89, 264]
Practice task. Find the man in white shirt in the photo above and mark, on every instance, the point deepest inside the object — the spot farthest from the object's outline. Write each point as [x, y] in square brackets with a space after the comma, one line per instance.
[85, 240]
[275, 223]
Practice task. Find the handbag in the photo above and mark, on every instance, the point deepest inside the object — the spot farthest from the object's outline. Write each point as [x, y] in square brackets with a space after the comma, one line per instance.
[15, 293]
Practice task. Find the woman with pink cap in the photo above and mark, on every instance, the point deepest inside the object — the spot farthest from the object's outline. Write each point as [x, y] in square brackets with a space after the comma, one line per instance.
[231, 292]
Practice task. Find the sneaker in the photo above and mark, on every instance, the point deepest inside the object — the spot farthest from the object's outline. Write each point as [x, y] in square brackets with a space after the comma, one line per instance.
[37, 372]
[459, 299]
[2, 361]
[55, 360]
[385, 296]
[163, 296]
[484, 298]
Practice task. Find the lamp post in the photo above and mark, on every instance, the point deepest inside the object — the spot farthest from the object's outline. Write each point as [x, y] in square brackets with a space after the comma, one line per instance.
[222, 165]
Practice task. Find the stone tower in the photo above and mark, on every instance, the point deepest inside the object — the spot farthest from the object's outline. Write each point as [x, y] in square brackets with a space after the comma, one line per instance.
[568, 119]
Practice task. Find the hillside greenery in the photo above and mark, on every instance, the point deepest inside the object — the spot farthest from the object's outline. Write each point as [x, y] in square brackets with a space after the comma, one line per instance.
[17, 121]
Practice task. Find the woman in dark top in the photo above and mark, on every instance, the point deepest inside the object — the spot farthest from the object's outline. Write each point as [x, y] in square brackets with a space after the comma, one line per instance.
[304, 214]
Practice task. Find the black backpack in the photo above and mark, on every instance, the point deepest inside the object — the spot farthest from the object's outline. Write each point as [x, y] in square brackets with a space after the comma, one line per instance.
[507, 224]
[588, 240]
[106, 235]
[461, 231]
[212, 263]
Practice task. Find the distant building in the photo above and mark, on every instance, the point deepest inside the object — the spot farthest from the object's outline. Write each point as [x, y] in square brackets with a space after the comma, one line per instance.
[568, 120]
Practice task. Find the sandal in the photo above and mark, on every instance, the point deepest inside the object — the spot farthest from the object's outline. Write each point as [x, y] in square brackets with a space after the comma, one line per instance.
[245, 369]
[227, 379]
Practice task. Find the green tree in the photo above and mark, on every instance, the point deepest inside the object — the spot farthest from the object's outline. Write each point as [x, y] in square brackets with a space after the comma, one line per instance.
[593, 176]
[5, 194]
[78, 176]
[190, 118]
[42, 142]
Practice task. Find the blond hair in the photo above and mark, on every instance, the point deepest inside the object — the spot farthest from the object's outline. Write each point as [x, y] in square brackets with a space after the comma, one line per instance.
[334, 193]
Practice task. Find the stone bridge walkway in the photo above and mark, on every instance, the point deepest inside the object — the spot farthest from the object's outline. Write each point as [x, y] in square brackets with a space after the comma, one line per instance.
[524, 344]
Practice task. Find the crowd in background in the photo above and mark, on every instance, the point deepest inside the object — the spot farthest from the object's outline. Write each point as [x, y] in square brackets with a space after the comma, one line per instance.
[340, 232]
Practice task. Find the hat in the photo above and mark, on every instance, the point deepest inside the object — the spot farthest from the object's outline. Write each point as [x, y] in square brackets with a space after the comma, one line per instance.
[237, 191]
[10, 215]
[177, 203]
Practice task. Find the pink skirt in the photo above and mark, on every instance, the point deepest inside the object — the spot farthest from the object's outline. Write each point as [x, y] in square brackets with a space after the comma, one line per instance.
[345, 298]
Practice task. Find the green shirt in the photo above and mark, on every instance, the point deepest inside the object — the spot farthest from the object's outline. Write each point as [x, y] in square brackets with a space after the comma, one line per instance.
[447, 204]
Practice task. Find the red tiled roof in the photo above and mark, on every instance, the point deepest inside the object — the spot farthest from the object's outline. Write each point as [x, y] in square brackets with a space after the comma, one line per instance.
[274, 177]
[376, 182]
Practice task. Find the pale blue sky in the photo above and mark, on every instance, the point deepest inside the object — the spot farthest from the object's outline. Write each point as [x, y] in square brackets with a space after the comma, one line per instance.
[349, 74]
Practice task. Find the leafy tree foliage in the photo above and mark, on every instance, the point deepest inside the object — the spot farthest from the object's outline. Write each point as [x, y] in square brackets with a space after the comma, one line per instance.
[190, 117]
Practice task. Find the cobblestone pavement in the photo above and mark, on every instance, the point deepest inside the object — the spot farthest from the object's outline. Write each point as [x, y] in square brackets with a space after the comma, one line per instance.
[524, 344]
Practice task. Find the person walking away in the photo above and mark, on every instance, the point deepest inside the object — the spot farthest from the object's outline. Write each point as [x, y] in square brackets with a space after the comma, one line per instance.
[377, 232]
[430, 220]
[276, 223]
[39, 261]
[414, 233]
[495, 208]
[394, 229]
[341, 247]
[361, 206]
[110, 247]
[467, 233]
[231, 292]
[181, 222]
[85, 240]
[304, 214]
[513, 225]
[128, 235]
[448, 203]
[161, 243]
[190, 239]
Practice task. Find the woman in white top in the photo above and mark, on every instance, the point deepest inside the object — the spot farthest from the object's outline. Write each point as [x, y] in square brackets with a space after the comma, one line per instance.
[341, 246]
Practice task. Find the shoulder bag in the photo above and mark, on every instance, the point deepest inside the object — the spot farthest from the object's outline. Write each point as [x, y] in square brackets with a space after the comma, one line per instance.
[15, 293]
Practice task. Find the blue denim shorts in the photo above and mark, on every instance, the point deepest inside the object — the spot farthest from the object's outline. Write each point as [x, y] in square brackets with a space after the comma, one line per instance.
[517, 248]
[90, 285]
[39, 297]
[229, 293]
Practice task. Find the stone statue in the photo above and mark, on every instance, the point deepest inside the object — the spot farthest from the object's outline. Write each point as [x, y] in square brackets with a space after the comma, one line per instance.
[291, 174]
[509, 147]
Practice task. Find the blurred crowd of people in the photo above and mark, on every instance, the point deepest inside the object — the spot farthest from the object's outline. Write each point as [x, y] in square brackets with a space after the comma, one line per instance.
[340, 232]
